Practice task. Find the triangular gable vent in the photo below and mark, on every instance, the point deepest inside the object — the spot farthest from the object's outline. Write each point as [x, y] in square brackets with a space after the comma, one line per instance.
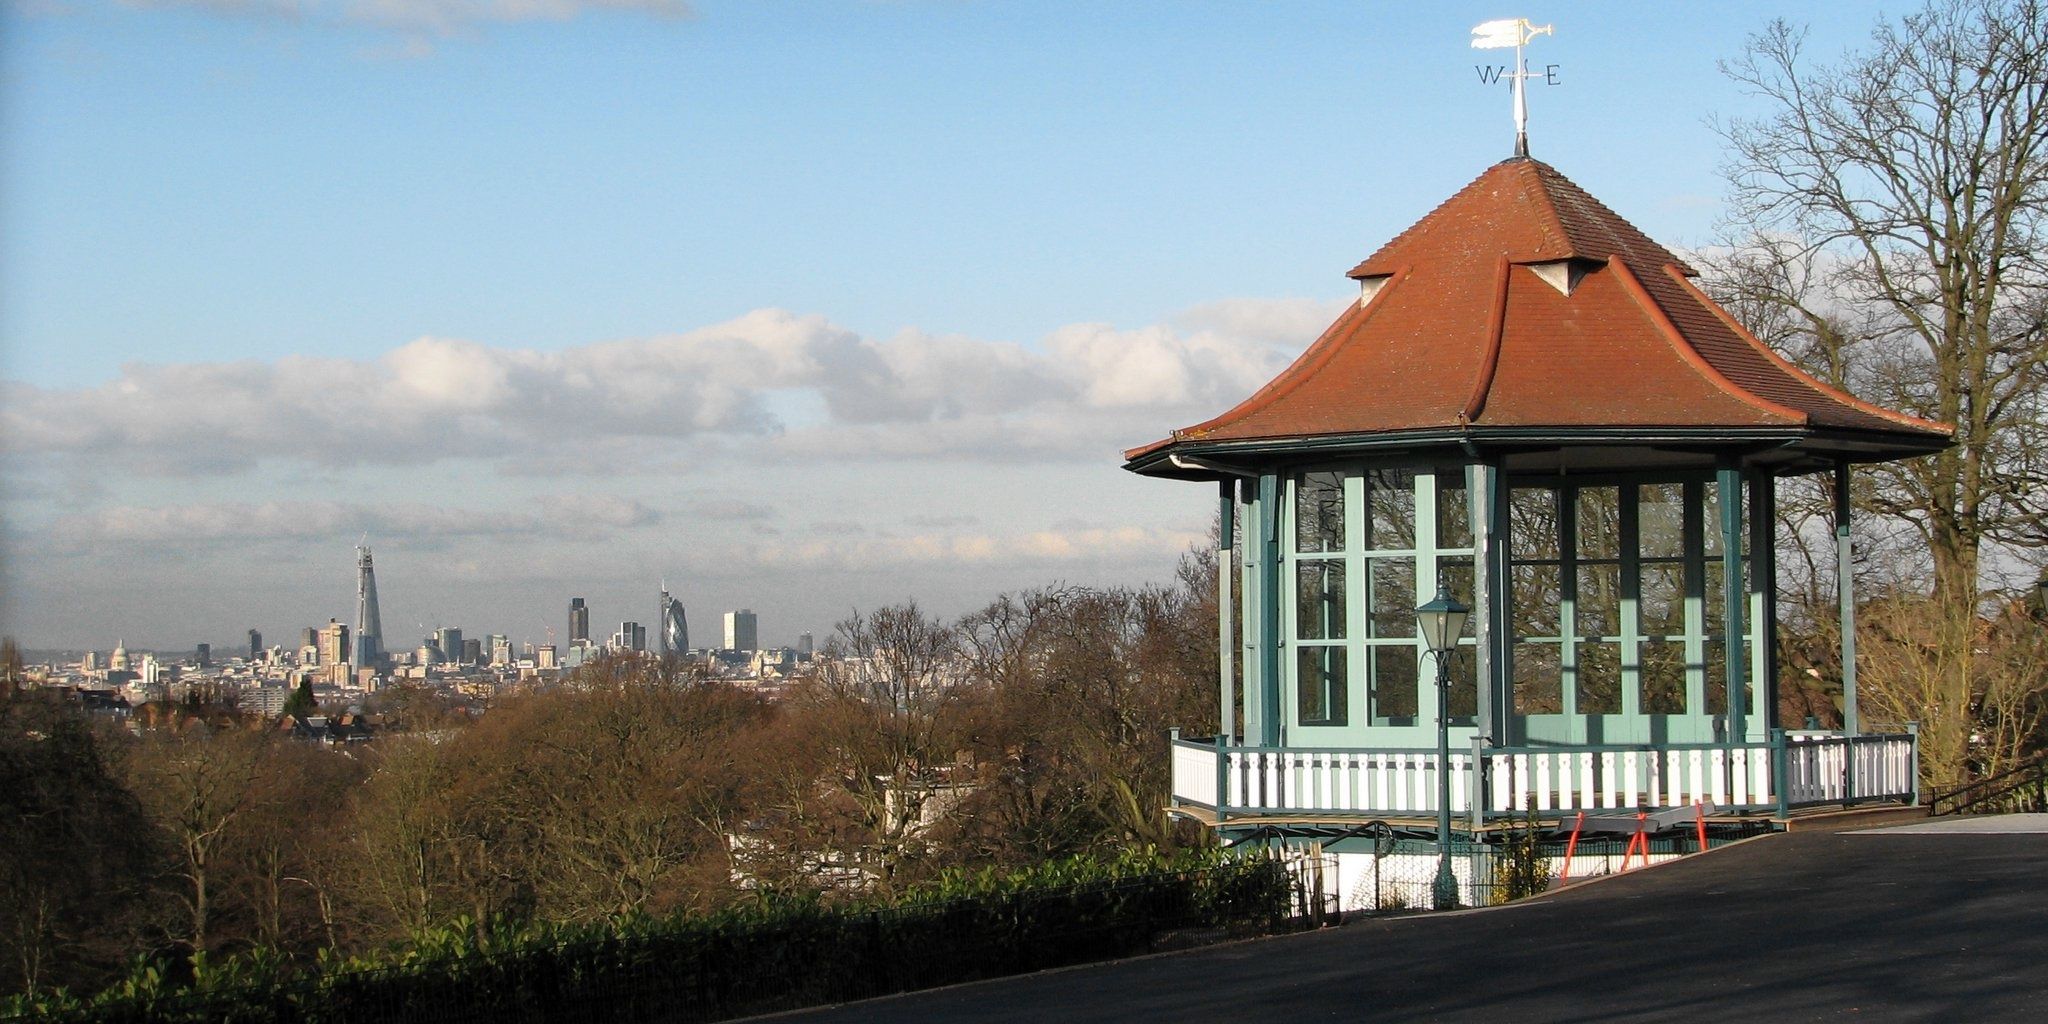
[1563, 275]
[1368, 287]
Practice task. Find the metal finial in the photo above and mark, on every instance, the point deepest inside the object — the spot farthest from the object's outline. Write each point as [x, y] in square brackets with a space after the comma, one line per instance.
[1515, 32]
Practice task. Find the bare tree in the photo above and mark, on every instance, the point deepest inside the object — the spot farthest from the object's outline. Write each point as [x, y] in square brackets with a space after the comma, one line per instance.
[888, 704]
[199, 784]
[1892, 210]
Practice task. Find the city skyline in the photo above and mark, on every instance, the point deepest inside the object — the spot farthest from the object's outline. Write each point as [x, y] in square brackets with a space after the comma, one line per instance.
[819, 307]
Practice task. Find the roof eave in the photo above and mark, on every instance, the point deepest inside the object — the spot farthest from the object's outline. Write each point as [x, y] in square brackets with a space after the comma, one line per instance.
[1247, 456]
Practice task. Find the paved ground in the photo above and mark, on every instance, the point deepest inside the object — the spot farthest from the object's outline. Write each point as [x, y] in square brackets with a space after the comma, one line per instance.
[1892, 925]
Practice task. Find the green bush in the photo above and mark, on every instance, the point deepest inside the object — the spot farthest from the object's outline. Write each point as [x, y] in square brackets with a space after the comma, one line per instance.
[775, 953]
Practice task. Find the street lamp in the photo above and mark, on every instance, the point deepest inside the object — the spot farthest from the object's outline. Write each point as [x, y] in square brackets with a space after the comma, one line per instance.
[1441, 621]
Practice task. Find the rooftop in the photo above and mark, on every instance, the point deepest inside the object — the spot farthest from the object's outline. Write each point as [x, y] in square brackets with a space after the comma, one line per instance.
[1522, 309]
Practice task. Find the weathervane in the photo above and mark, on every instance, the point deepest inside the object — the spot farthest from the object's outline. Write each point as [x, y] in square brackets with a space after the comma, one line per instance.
[1515, 32]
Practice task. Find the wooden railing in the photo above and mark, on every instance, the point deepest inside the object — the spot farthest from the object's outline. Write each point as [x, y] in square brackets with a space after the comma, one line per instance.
[1785, 773]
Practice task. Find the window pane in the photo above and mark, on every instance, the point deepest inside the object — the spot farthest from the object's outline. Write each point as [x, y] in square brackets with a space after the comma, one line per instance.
[1717, 678]
[1319, 599]
[1599, 679]
[1532, 522]
[1663, 674]
[1599, 600]
[1464, 685]
[1453, 510]
[1661, 604]
[1599, 522]
[1393, 684]
[1539, 680]
[1390, 494]
[1536, 595]
[1321, 682]
[1319, 512]
[1454, 573]
[1393, 597]
[1660, 513]
[1711, 598]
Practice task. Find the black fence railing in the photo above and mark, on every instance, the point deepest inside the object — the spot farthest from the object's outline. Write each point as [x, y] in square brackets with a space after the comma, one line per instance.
[737, 965]
[2023, 787]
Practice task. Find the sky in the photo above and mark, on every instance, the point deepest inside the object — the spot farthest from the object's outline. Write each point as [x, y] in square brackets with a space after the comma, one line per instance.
[804, 307]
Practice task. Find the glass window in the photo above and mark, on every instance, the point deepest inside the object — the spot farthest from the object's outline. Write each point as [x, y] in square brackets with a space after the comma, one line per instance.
[1598, 675]
[1599, 522]
[1453, 510]
[1463, 685]
[1321, 682]
[1663, 675]
[1391, 495]
[1535, 593]
[1539, 680]
[1716, 677]
[1319, 512]
[1661, 604]
[1393, 597]
[1393, 684]
[1319, 599]
[1598, 603]
[1532, 522]
[1660, 515]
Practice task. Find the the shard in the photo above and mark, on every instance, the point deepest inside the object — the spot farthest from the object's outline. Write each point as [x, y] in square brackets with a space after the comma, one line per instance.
[369, 628]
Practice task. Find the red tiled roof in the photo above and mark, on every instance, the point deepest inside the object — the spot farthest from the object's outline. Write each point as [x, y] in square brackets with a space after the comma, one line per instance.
[1464, 334]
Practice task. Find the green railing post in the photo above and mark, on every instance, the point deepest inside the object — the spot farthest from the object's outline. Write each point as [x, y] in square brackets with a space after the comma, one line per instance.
[1222, 776]
[1477, 792]
[1779, 774]
[1849, 770]
[1913, 734]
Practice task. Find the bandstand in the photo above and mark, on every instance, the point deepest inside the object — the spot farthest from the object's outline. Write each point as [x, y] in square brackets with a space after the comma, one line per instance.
[1534, 409]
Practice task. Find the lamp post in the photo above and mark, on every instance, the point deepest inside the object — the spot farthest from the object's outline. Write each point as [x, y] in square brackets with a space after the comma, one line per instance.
[1441, 621]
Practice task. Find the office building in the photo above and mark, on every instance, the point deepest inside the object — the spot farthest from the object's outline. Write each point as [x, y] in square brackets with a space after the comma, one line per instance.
[369, 625]
[674, 635]
[331, 641]
[579, 621]
[631, 636]
[742, 631]
[449, 640]
[255, 645]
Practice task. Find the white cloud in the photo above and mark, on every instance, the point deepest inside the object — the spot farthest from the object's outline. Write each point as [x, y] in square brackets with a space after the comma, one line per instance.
[1035, 548]
[252, 522]
[1089, 391]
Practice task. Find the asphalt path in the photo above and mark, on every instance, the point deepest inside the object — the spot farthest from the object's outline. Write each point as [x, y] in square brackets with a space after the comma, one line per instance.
[1889, 925]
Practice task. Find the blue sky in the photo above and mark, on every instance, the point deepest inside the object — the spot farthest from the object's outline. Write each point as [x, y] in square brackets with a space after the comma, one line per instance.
[805, 306]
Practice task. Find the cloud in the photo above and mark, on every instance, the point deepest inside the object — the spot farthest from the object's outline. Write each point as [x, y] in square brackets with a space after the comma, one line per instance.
[1030, 548]
[770, 384]
[251, 522]
[732, 509]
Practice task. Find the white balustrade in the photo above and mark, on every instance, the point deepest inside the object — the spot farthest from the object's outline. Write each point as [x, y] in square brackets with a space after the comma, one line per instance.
[1550, 783]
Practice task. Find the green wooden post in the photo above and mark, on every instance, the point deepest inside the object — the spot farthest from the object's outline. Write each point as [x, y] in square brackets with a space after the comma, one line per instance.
[1226, 639]
[1270, 642]
[1913, 731]
[1728, 488]
[1778, 774]
[1476, 792]
[1222, 778]
[1845, 596]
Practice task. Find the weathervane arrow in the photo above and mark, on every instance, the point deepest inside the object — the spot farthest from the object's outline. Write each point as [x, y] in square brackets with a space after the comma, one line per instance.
[1516, 32]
